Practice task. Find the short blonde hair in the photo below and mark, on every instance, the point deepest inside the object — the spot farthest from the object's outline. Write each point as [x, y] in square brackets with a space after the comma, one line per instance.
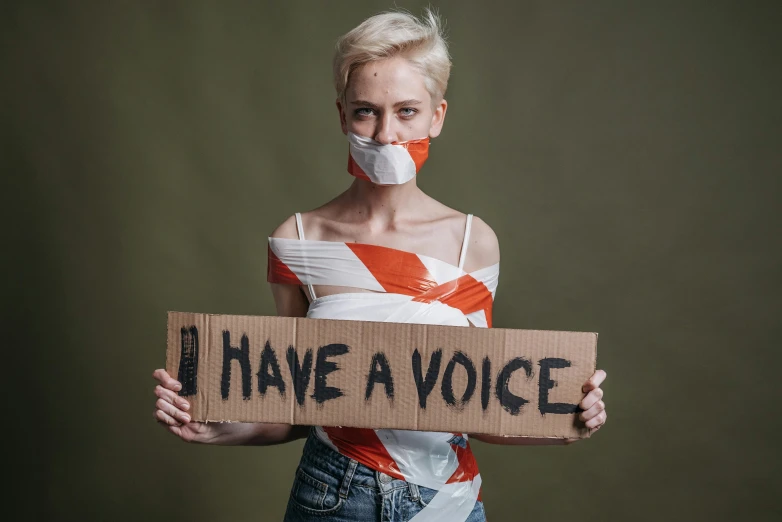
[390, 34]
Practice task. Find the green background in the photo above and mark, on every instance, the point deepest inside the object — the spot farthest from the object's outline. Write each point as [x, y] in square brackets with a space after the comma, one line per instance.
[626, 153]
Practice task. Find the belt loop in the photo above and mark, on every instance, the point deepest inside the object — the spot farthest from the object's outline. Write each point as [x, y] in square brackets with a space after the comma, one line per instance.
[347, 479]
[415, 495]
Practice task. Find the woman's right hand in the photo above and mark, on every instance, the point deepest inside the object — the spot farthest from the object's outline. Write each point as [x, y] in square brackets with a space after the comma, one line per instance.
[171, 411]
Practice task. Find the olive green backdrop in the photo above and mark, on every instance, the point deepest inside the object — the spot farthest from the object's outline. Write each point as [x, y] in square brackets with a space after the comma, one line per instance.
[626, 153]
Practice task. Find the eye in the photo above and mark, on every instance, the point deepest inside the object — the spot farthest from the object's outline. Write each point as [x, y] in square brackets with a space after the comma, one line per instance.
[364, 112]
[408, 112]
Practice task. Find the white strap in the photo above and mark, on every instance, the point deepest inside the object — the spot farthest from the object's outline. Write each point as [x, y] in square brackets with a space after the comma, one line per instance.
[299, 226]
[466, 241]
[300, 230]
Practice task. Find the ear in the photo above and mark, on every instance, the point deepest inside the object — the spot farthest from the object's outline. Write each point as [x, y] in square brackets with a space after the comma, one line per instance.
[438, 118]
[342, 120]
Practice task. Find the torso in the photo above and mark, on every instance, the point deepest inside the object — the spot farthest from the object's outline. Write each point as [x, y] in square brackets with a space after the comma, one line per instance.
[416, 262]
[436, 231]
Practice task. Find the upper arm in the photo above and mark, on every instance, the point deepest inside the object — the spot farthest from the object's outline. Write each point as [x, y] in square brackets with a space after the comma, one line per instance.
[484, 247]
[289, 299]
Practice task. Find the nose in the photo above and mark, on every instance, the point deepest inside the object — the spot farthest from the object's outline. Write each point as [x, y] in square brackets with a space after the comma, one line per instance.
[386, 132]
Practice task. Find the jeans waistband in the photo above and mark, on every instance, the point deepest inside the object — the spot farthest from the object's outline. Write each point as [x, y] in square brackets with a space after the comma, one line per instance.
[318, 453]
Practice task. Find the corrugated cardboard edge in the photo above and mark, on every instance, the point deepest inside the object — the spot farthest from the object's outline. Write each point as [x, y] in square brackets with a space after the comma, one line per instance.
[197, 403]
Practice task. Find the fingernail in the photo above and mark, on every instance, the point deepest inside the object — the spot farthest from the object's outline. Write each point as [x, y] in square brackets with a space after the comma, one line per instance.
[177, 386]
[185, 405]
[186, 418]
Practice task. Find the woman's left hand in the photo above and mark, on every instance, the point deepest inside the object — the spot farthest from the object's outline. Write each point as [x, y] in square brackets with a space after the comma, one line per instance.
[594, 414]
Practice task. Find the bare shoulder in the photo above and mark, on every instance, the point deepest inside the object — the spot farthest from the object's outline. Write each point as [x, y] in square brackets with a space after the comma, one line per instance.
[286, 229]
[484, 247]
[288, 298]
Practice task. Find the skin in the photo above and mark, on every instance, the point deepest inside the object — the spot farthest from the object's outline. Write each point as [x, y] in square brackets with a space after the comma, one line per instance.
[385, 100]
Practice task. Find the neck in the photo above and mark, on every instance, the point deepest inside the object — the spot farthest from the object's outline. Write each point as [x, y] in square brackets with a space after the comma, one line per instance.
[382, 204]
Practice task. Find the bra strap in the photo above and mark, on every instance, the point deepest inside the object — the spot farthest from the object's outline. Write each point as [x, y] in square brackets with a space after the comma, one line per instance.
[466, 241]
[300, 230]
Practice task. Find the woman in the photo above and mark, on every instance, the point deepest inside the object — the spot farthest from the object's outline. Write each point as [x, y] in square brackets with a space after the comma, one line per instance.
[371, 254]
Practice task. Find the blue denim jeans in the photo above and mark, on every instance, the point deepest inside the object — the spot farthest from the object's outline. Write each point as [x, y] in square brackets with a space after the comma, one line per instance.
[330, 487]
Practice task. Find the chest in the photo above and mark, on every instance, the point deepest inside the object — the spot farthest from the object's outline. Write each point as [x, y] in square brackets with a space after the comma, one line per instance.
[438, 242]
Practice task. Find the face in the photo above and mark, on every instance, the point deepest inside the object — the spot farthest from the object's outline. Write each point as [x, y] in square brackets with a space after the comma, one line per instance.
[387, 101]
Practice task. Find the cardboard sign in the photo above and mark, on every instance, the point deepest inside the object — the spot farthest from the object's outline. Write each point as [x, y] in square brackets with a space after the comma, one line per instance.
[381, 375]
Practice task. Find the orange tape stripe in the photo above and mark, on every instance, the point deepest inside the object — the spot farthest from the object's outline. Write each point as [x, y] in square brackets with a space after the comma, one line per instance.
[468, 467]
[418, 150]
[465, 293]
[278, 272]
[397, 271]
[364, 446]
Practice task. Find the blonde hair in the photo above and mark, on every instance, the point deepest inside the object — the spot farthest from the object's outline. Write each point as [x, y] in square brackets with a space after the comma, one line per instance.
[394, 33]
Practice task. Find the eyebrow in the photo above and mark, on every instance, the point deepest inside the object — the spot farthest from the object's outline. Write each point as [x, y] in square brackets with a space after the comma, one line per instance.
[411, 101]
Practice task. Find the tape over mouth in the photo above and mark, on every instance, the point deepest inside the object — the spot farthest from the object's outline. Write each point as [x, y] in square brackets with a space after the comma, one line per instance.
[386, 164]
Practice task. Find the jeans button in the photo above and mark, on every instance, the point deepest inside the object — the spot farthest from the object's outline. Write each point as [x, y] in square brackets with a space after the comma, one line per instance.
[385, 479]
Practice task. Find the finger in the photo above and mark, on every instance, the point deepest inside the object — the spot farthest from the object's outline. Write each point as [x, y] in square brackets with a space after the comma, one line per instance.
[165, 419]
[592, 412]
[594, 382]
[172, 411]
[591, 398]
[171, 397]
[166, 380]
[597, 421]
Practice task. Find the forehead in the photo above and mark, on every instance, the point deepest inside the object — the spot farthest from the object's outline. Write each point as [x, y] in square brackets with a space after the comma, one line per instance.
[386, 80]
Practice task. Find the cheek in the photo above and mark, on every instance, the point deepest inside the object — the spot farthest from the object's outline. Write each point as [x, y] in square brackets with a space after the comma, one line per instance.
[358, 126]
[420, 125]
